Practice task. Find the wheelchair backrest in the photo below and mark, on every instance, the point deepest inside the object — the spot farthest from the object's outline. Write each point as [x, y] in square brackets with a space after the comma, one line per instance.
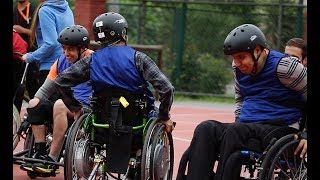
[112, 100]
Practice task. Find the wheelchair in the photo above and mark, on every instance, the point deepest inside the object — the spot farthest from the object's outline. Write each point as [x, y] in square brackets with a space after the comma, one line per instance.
[27, 154]
[281, 163]
[274, 159]
[19, 98]
[16, 123]
[118, 140]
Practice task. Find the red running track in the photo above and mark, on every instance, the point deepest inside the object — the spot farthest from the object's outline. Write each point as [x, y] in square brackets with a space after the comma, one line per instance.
[186, 115]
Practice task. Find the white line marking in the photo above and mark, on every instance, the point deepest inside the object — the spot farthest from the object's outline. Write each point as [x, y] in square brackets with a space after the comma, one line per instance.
[182, 139]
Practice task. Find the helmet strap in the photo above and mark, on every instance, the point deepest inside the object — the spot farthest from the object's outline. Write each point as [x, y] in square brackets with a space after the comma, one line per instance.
[255, 63]
[255, 69]
[80, 53]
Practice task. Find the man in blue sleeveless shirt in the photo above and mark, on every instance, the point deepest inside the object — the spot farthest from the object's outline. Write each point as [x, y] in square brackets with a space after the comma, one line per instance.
[117, 65]
[75, 41]
[268, 85]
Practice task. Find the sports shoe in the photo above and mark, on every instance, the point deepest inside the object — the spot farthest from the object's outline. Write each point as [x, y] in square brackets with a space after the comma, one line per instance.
[28, 166]
[46, 168]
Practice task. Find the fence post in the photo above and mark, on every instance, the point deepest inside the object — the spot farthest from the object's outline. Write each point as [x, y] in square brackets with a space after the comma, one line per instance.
[280, 24]
[180, 24]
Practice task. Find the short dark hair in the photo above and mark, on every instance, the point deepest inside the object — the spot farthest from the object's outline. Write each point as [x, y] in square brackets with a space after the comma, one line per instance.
[299, 43]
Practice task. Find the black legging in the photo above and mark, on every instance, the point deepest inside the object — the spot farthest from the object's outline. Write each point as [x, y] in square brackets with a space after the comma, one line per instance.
[32, 81]
[42, 76]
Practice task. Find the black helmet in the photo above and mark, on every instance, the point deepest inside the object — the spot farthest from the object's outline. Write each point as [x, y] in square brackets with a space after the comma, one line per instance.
[75, 35]
[244, 38]
[109, 28]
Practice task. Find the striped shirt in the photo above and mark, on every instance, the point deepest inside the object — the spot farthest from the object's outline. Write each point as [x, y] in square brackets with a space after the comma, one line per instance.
[80, 72]
[291, 74]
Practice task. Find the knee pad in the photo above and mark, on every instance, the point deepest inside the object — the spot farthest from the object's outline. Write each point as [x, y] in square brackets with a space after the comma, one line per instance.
[41, 113]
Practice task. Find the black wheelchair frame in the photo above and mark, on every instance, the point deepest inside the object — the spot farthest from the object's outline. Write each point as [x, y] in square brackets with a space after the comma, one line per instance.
[26, 155]
[18, 99]
[281, 163]
[276, 161]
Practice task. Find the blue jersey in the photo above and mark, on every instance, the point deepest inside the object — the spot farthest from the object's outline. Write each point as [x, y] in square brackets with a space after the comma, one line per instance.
[81, 92]
[114, 66]
[264, 96]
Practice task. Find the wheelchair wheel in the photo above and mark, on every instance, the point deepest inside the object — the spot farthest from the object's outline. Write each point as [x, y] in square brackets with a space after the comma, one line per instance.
[78, 162]
[15, 126]
[281, 163]
[29, 144]
[157, 154]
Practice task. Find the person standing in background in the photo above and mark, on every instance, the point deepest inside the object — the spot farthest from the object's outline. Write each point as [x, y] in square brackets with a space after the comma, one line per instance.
[18, 46]
[22, 17]
[297, 47]
[50, 18]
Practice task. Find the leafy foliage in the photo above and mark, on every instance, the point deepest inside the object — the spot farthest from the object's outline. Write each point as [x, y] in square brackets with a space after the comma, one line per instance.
[206, 74]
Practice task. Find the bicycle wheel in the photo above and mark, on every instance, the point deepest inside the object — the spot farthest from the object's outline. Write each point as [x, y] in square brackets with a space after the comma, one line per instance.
[15, 126]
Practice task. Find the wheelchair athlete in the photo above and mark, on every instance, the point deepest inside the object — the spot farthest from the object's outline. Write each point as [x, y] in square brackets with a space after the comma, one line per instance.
[75, 41]
[268, 85]
[117, 66]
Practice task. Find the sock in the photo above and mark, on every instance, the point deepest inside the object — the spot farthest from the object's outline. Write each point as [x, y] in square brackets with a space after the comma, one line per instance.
[40, 147]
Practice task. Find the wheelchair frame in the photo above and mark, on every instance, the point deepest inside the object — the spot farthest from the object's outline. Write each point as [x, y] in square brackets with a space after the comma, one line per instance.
[17, 123]
[20, 93]
[86, 159]
[16, 126]
[281, 163]
[277, 161]
[25, 156]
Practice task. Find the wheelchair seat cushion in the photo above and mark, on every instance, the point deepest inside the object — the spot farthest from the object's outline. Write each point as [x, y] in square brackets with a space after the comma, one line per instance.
[131, 115]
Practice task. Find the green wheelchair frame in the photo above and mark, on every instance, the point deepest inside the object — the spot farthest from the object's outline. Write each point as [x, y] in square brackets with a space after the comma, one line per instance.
[154, 162]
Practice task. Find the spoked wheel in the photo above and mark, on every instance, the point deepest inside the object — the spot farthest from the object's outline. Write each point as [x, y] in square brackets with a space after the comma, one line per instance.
[79, 156]
[157, 154]
[15, 126]
[29, 144]
[280, 162]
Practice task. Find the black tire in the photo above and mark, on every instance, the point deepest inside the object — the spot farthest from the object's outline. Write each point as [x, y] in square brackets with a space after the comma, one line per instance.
[280, 155]
[16, 125]
[29, 144]
[183, 165]
[73, 135]
[155, 130]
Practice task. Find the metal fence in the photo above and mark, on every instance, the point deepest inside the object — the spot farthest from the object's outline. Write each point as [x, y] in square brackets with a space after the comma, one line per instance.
[191, 34]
